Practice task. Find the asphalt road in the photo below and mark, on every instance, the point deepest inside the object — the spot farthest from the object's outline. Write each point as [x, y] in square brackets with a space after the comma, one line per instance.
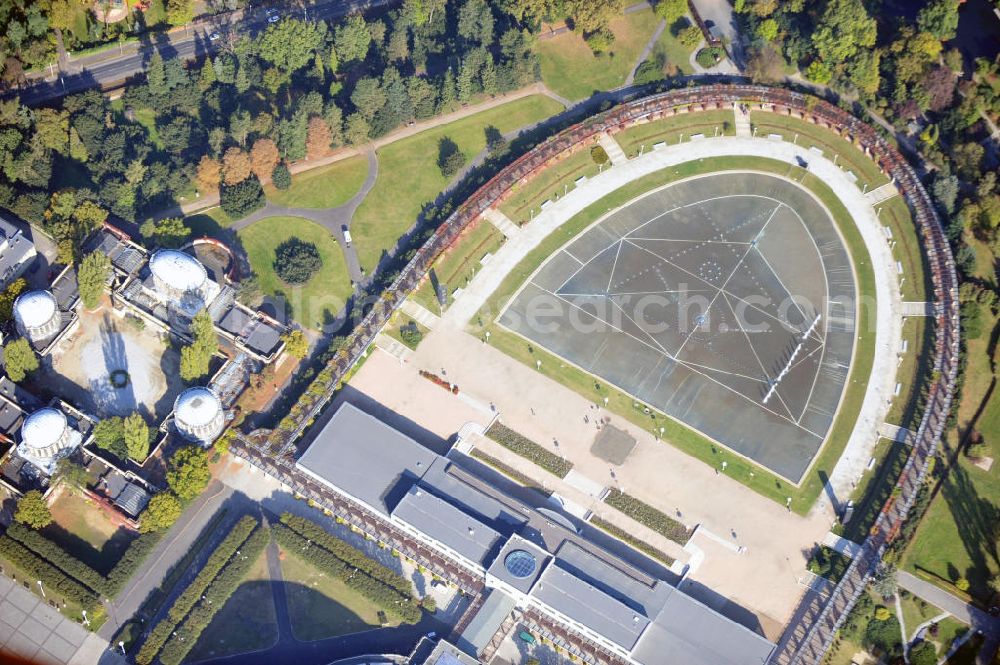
[109, 68]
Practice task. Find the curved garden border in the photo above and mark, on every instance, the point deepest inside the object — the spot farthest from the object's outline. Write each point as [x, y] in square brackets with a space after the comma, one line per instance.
[809, 636]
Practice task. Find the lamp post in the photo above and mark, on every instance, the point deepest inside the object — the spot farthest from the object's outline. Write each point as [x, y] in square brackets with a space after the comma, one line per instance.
[86, 621]
[41, 588]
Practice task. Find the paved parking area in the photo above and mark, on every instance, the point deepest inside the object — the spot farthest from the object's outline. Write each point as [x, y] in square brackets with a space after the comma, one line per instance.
[34, 631]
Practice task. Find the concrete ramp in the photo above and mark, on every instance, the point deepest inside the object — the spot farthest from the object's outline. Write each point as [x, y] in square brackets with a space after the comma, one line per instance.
[615, 152]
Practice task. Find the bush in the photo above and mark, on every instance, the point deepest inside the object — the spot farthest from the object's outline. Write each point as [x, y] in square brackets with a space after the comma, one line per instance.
[709, 57]
[183, 604]
[296, 261]
[599, 155]
[450, 158]
[651, 517]
[923, 654]
[977, 451]
[962, 584]
[882, 613]
[528, 449]
[50, 576]
[690, 36]
[214, 599]
[345, 552]
[389, 599]
[281, 177]
[243, 198]
[411, 334]
[601, 40]
[640, 545]
[55, 555]
[828, 563]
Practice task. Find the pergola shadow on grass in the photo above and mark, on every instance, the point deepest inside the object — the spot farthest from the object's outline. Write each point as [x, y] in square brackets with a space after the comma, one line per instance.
[757, 478]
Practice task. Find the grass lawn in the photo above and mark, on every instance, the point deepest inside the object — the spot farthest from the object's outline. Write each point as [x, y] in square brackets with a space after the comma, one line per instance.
[810, 135]
[83, 530]
[147, 118]
[916, 273]
[409, 176]
[571, 69]
[394, 329]
[317, 301]
[917, 610]
[551, 183]
[320, 607]
[324, 187]
[669, 52]
[668, 129]
[209, 222]
[918, 333]
[246, 623]
[459, 264]
[679, 435]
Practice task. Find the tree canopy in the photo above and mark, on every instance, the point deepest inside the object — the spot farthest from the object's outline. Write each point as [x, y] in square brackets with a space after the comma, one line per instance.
[92, 278]
[33, 511]
[20, 359]
[163, 510]
[187, 472]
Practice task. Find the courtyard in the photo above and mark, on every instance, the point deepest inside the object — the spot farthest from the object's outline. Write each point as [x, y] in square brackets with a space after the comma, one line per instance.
[113, 365]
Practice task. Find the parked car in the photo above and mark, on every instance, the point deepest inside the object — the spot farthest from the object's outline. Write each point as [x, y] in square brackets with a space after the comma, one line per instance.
[212, 37]
[274, 18]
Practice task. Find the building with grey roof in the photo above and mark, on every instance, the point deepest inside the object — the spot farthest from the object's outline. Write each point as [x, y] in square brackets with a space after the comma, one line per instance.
[361, 457]
[17, 252]
[548, 570]
[450, 530]
[496, 609]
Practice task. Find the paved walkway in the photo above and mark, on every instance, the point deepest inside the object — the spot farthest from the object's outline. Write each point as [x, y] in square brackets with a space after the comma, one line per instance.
[897, 433]
[393, 347]
[741, 121]
[38, 633]
[959, 609]
[918, 309]
[841, 545]
[615, 152]
[334, 220]
[508, 228]
[646, 52]
[420, 314]
[167, 552]
[883, 193]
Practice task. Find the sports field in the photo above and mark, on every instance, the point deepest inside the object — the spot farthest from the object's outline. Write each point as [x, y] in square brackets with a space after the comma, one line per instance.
[703, 300]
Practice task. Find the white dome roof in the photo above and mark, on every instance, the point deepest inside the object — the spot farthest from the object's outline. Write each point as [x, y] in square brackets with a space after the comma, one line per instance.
[197, 407]
[35, 308]
[43, 428]
[178, 270]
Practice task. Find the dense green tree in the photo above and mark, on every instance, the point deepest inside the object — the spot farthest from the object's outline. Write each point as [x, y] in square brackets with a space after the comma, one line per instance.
[352, 39]
[33, 511]
[169, 232]
[281, 178]
[357, 129]
[475, 22]
[162, 511]
[20, 359]
[109, 434]
[671, 10]
[196, 357]
[296, 261]
[291, 44]
[940, 18]
[296, 344]
[844, 29]
[180, 12]
[187, 472]
[241, 199]
[136, 433]
[8, 296]
[92, 277]
[368, 97]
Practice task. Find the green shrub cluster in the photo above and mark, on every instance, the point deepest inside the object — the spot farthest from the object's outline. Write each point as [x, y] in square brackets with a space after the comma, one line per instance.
[219, 558]
[528, 449]
[350, 555]
[651, 517]
[58, 557]
[386, 597]
[627, 537]
[829, 563]
[50, 576]
[109, 586]
[215, 596]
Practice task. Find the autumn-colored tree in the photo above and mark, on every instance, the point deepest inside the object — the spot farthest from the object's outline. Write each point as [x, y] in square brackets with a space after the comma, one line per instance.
[209, 174]
[235, 166]
[264, 157]
[318, 138]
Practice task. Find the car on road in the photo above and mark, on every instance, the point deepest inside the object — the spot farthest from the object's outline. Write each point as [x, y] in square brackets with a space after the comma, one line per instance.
[347, 235]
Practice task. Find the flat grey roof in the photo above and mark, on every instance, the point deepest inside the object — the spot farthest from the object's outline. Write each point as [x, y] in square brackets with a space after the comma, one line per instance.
[696, 635]
[447, 524]
[485, 624]
[366, 459]
[642, 598]
[448, 654]
[443, 479]
[583, 602]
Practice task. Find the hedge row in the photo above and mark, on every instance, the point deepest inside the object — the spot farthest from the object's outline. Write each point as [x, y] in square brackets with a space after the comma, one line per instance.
[222, 554]
[108, 586]
[58, 557]
[528, 449]
[627, 537]
[50, 576]
[401, 606]
[218, 592]
[508, 471]
[651, 517]
[347, 553]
